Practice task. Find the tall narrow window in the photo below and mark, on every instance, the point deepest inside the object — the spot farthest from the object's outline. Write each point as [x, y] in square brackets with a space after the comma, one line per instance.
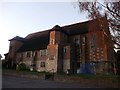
[52, 41]
[77, 41]
[83, 40]
[29, 54]
[92, 42]
[33, 53]
[65, 49]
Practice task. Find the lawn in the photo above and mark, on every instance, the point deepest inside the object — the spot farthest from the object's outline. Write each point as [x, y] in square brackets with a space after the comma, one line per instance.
[114, 78]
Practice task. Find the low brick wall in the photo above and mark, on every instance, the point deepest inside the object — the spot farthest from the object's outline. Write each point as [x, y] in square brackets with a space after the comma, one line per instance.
[91, 82]
[72, 79]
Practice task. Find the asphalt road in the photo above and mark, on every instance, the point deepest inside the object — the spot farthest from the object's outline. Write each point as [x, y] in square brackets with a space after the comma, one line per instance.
[21, 82]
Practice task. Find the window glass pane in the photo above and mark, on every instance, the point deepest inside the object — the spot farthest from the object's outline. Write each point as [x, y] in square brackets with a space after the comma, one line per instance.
[93, 42]
[43, 52]
[77, 41]
[83, 40]
[29, 54]
[52, 41]
[42, 64]
[65, 49]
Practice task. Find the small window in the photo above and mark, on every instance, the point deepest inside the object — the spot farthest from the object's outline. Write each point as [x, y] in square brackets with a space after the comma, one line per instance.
[43, 52]
[77, 41]
[65, 49]
[29, 54]
[52, 41]
[51, 57]
[42, 64]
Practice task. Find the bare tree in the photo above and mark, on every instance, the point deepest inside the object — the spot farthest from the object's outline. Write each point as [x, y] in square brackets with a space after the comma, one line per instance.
[98, 9]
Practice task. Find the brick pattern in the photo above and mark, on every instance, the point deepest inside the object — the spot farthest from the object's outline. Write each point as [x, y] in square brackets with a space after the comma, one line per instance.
[67, 52]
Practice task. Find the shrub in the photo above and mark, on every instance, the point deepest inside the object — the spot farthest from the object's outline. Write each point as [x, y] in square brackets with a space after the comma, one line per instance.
[21, 67]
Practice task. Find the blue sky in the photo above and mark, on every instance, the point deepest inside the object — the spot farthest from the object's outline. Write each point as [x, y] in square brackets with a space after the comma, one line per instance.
[23, 18]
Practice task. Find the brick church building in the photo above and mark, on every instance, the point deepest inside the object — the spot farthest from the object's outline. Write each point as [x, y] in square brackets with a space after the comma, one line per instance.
[80, 48]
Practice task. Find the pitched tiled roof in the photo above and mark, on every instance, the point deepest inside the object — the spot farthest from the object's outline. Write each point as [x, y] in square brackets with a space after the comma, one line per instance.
[35, 41]
[58, 28]
[40, 40]
[18, 39]
[78, 28]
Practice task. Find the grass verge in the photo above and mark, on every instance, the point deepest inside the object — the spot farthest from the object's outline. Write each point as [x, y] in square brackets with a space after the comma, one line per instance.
[113, 78]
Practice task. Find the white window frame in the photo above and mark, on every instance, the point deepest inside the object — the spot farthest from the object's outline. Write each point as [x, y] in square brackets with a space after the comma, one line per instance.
[42, 64]
[43, 52]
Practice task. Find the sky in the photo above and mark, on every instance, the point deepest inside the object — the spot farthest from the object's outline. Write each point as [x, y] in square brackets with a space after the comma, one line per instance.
[22, 18]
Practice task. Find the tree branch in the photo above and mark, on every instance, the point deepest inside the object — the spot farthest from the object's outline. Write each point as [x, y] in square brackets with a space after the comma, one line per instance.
[112, 11]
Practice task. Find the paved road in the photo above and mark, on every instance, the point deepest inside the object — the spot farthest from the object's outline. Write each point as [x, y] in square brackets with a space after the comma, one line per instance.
[21, 82]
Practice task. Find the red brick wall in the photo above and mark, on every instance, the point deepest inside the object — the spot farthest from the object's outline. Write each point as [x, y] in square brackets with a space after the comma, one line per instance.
[66, 55]
[14, 46]
[99, 52]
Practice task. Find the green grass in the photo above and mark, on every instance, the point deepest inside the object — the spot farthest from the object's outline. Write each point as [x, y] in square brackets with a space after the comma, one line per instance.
[87, 76]
[113, 78]
[22, 72]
